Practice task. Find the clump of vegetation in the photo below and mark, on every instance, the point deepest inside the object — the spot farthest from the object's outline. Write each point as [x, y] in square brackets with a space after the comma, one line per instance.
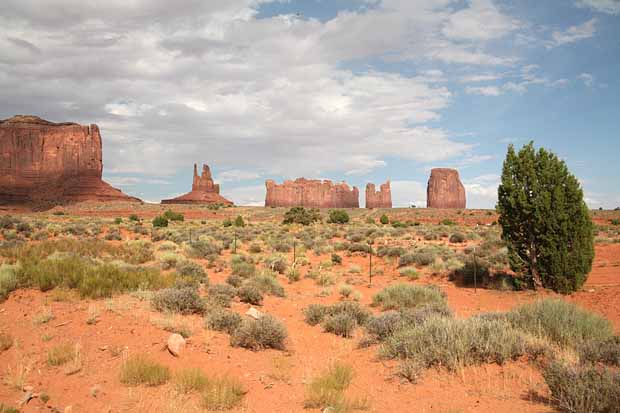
[6, 342]
[402, 296]
[219, 319]
[327, 390]
[601, 351]
[338, 216]
[221, 294]
[250, 293]
[266, 332]
[173, 216]
[179, 300]
[239, 222]
[457, 238]
[545, 221]
[160, 222]
[139, 369]
[8, 280]
[341, 318]
[583, 388]
[190, 380]
[222, 393]
[384, 220]
[61, 354]
[301, 215]
[560, 322]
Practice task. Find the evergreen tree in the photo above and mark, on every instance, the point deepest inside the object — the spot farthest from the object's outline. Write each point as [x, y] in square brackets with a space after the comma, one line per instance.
[545, 221]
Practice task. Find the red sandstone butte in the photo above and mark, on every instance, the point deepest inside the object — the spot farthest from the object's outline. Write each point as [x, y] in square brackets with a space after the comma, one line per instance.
[380, 199]
[311, 193]
[204, 191]
[45, 162]
[445, 189]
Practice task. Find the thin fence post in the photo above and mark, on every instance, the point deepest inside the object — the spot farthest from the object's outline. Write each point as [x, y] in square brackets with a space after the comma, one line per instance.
[475, 273]
[235, 243]
[294, 251]
[370, 266]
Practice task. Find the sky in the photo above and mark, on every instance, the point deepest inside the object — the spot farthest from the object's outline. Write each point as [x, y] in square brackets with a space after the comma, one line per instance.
[355, 90]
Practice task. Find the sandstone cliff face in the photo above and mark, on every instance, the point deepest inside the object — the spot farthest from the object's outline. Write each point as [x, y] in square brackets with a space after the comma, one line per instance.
[380, 199]
[445, 189]
[41, 161]
[311, 193]
[204, 190]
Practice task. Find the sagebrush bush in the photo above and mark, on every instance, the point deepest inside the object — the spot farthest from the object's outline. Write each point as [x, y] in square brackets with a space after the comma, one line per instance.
[266, 332]
[221, 294]
[222, 394]
[160, 222]
[178, 300]
[277, 263]
[401, 296]
[328, 391]
[268, 284]
[560, 322]
[457, 238]
[583, 389]
[342, 324]
[8, 280]
[250, 293]
[190, 380]
[456, 343]
[301, 215]
[139, 369]
[188, 268]
[219, 319]
[597, 351]
[242, 266]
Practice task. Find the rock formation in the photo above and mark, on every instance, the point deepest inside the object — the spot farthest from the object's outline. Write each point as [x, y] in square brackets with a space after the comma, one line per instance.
[380, 199]
[204, 191]
[445, 189]
[45, 162]
[312, 193]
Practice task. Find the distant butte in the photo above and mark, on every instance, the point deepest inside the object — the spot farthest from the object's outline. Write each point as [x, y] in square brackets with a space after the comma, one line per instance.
[52, 163]
[445, 190]
[204, 191]
[311, 193]
[379, 199]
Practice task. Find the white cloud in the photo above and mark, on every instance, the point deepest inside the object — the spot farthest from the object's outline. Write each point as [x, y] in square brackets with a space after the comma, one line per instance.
[479, 78]
[480, 21]
[236, 175]
[407, 193]
[587, 79]
[483, 90]
[573, 34]
[482, 191]
[246, 195]
[603, 6]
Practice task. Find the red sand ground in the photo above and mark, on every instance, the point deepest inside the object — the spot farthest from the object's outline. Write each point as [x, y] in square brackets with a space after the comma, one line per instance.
[274, 380]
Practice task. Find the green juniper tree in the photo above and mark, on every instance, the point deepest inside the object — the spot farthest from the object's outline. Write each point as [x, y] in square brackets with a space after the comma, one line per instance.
[545, 221]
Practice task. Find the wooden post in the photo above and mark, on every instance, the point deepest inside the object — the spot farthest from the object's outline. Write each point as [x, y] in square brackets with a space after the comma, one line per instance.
[235, 243]
[370, 267]
[475, 273]
[294, 251]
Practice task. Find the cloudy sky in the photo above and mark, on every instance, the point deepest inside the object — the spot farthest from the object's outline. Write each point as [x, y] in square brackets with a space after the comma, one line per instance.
[355, 90]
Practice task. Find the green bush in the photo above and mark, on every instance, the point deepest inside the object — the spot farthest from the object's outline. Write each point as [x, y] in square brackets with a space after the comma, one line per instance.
[221, 294]
[173, 216]
[340, 318]
[266, 332]
[457, 238]
[384, 219]
[453, 343]
[560, 322]
[545, 221]
[178, 300]
[186, 268]
[134, 218]
[139, 369]
[586, 389]
[8, 280]
[219, 319]
[597, 351]
[402, 296]
[160, 222]
[239, 222]
[250, 293]
[301, 215]
[336, 259]
[342, 324]
[338, 216]
[243, 266]
[277, 263]
[479, 268]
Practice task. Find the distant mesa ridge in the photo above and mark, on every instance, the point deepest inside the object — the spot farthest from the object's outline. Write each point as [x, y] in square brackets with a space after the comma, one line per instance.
[204, 190]
[311, 193]
[52, 163]
[379, 199]
[445, 190]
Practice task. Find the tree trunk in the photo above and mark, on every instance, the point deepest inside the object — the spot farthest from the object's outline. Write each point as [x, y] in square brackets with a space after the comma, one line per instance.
[534, 266]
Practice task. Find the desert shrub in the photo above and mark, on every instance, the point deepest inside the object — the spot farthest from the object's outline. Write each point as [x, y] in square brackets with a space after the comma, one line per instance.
[447, 222]
[250, 293]
[301, 215]
[160, 222]
[134, 218]
[384, 325]
[118, 220]
[255, 248]
[61, 354]
[471, 267]
[169, 260]
[338, 216]
[219, 319]
[315, 313]
[401, 296]
[327, 391]
[268, 284]
[561, 322]
[8, 409]
[178, 300]
[113, 235]
[136, 252]
[293, 275]
[342, 324]
[173, 216]
[239, 222]
[409, 272]
[455, 343]
[187, 268]
[139, 369]
[221, 294]
[416, 258]
[615, 222]
[8, 280]
[222, 394]
[601, 351]
[384, 219]
[234, 280]
[276, 263]
[583, 389]
[90, 279]
[457, 238]
[6, 342]
[345, 290]
[205, 249]
[384, 251]
[336, 259]
[242, 266]
[190, 380]
[266, 332]
[359, 247]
